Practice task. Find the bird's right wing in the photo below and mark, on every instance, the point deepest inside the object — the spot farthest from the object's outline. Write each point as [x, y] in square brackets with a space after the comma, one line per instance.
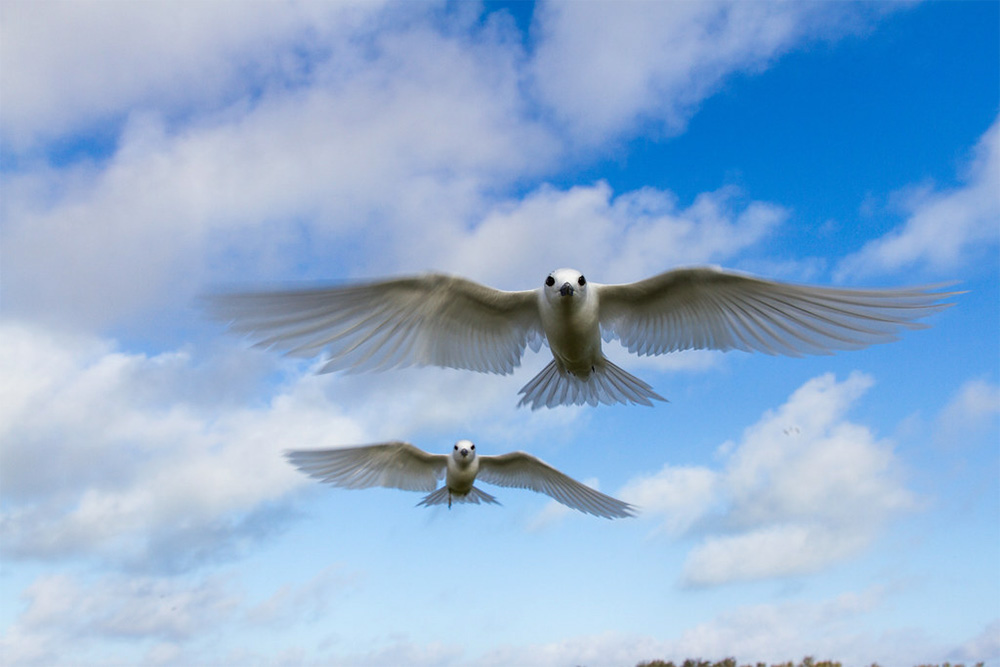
[705, 308]
[397, 465]
[524, 471]
[432, 319]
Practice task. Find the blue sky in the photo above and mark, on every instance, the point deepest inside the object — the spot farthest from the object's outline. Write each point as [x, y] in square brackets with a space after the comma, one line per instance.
[845, 506]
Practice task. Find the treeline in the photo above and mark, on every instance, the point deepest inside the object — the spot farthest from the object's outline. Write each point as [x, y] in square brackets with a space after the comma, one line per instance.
[806, 662]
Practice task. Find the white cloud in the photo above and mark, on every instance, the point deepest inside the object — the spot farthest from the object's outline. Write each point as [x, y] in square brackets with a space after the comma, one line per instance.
[943, 226]
[629, 236]
[396, 145]
[602, 70]
[69, 66]
[65, 615]
[768, 552]
[802, 489]
[605, 68]
[139, 459]
[681, 495]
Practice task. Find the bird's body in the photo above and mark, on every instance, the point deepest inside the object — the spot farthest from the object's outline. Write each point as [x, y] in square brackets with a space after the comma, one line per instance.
[448, 321]
[400, 465]
[462, 469]
[571, 322]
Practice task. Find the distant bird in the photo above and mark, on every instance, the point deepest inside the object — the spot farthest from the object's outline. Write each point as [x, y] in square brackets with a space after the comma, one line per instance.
[400, 465]
[441, 320]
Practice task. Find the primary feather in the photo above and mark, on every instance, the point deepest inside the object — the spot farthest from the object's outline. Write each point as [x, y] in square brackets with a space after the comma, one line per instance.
[424, 320]
[397, 465]
[703, 308]
[524, 471]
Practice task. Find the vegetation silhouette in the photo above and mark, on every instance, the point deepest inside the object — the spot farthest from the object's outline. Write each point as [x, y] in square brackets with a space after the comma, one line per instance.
[808, 661]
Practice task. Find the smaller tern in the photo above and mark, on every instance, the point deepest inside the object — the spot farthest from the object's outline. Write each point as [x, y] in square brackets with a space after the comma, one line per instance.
[400, 465]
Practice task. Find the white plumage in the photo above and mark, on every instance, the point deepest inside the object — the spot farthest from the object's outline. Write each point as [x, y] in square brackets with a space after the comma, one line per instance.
[400, 465]
[442, 320]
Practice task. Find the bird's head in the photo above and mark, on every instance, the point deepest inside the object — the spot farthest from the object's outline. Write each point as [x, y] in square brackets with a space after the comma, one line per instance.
[563, 283]
[464, 451]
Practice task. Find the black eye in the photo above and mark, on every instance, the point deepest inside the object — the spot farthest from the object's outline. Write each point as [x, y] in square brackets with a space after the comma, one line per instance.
[472, 447]
[456, 448]
[550, 281]
[581, 281]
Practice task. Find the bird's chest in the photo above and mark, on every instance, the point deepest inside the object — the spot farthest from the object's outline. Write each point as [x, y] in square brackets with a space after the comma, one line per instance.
[574, 336]
[461, 477]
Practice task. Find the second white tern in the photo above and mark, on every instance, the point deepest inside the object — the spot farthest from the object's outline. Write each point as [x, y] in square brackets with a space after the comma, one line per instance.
[400, 465]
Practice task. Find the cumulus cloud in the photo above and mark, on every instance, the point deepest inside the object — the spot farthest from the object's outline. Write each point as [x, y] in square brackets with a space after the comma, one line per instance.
[630, 236]
[393, 146]
[120, 456]
[606, 69]
[803, 488]
[601, 71]
[157, 619]
[943, 225]
[679, 495]
[64, 610]
[72, 65]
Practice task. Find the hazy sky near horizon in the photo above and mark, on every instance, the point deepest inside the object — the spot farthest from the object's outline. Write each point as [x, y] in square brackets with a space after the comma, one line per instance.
[845, 507]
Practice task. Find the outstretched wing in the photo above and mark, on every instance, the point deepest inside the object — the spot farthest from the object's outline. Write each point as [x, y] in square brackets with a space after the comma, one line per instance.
[705, 308]
[524, 471]
[397, 465]
[425, 320]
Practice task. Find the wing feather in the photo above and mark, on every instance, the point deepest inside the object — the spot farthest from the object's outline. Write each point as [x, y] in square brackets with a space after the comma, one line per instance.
[705, 308]
[397, 465]
[431, 319]
[524, 471]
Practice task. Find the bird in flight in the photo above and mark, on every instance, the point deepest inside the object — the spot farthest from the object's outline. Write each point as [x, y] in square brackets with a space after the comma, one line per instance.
[400, 465]
[441, 320]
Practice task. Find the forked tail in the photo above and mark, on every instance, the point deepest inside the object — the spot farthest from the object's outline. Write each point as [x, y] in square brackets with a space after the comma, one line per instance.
[442, 497]
[607, 384]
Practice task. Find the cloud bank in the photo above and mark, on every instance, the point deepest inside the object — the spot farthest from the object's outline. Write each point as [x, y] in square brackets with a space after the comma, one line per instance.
[802, 489]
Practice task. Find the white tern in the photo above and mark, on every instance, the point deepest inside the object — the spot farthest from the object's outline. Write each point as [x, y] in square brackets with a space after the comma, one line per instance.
[400, 465]
[442, 320]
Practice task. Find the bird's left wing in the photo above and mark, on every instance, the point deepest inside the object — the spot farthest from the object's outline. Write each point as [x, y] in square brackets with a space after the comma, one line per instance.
[397, 465]
[705, 308]
[432, 319]
[524, 471]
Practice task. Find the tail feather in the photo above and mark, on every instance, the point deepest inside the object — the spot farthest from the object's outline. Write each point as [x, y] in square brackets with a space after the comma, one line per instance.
[442, 497]
[607, 384]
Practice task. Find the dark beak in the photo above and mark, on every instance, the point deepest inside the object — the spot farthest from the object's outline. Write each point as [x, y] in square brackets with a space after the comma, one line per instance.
[465, 452]
[566, 290]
